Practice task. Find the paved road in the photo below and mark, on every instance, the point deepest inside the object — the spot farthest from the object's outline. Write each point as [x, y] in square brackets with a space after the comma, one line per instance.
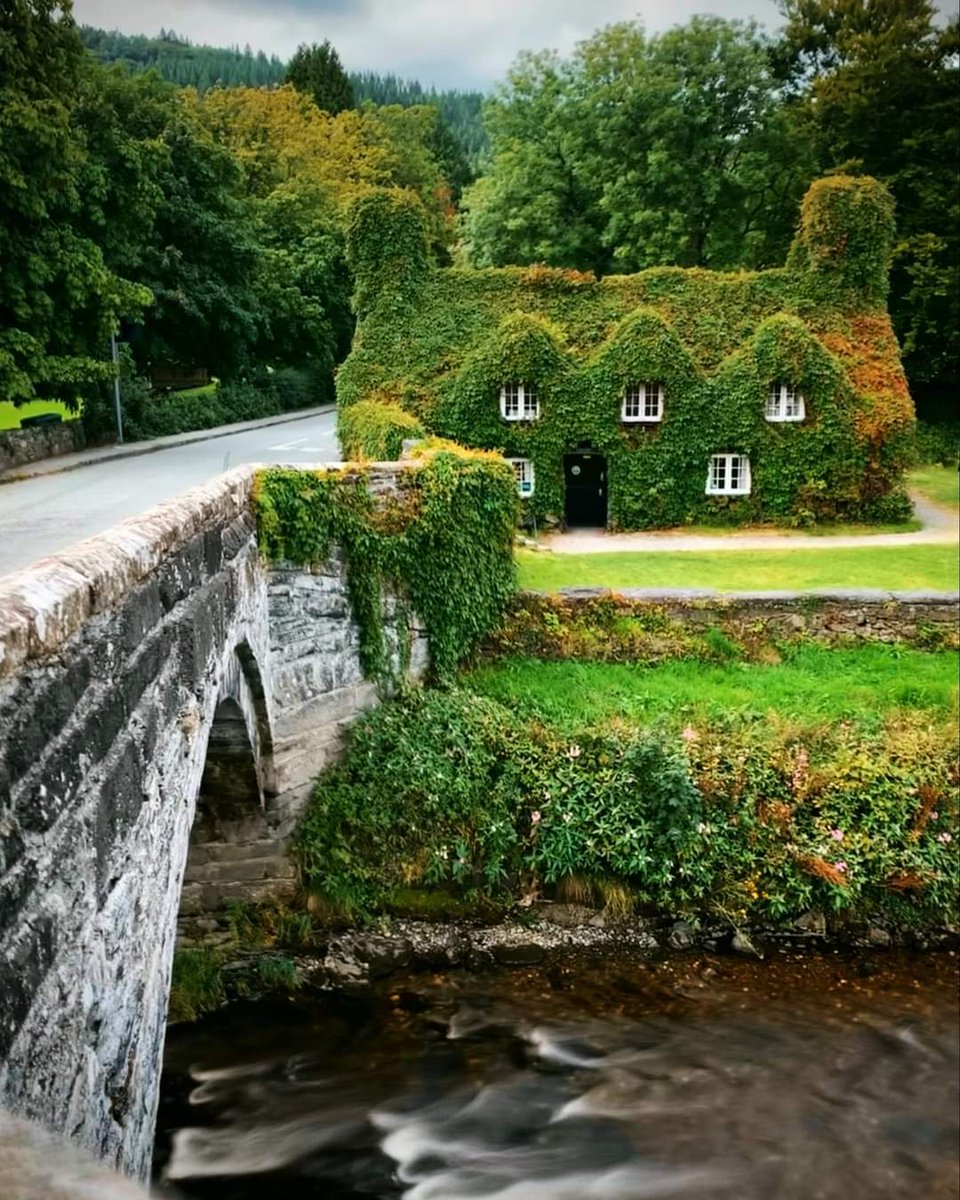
[47, 514]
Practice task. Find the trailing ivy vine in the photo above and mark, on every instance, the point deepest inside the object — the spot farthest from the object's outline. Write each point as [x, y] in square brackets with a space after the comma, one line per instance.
[716, 342]
[441, 542]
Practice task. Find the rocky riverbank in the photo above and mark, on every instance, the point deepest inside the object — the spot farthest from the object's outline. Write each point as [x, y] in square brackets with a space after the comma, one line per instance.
[546, 934]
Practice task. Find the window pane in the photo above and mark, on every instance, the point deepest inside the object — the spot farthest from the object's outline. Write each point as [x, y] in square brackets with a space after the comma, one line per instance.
[651, 400]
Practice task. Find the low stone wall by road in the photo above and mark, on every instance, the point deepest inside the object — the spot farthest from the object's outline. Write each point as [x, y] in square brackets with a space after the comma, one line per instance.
[21, 446]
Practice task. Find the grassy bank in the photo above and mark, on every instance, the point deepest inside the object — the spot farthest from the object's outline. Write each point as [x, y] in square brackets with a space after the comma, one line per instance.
[941, 485]
[812, 685]
[891, 568]
[751, 793]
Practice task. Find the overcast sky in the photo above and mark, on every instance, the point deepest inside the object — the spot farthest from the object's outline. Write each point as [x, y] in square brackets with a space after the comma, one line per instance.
[450, 43]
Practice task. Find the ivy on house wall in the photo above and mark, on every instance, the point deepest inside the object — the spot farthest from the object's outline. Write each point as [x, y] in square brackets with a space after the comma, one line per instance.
[714, 341]
[442, 541]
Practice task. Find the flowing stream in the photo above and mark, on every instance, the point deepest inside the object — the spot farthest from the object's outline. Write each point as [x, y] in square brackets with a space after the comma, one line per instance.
[701, 1078]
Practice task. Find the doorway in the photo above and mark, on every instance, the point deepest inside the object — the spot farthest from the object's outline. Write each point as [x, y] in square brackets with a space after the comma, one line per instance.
[585, 477]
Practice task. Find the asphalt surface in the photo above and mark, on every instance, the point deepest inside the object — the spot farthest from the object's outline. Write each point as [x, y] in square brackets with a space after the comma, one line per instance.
[48, 513]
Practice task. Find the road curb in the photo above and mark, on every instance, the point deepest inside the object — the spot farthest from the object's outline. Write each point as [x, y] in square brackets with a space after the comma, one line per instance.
[137, 449]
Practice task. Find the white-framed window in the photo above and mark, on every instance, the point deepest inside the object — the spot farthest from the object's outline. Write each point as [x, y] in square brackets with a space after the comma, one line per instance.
[523, 469]
[642, 402]
[519, 402]
[728, 475]
[785, 402]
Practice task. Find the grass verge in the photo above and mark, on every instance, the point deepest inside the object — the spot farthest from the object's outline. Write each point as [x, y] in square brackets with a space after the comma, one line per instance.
[891, 568]
[940, 485]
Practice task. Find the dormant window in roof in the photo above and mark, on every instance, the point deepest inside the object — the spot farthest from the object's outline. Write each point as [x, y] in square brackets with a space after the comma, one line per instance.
[642, 402]
[784, 402]
[519, 402]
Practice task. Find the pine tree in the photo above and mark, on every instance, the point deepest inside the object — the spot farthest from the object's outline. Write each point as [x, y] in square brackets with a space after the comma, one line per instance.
[317, 71]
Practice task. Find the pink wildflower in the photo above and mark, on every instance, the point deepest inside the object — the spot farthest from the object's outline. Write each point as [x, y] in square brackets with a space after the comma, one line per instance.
[535, 816]
[841, 865]
[944, 837]
[690, 734]
[837, 835]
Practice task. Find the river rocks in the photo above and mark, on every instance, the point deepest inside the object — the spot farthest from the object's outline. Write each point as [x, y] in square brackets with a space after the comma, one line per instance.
[518, 954]
[812, 924]
[681, 936]
[356, 958]
[570, 916]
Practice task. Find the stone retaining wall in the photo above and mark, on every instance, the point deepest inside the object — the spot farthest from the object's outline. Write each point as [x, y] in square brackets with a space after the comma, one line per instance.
[21, 446]
[834, 617]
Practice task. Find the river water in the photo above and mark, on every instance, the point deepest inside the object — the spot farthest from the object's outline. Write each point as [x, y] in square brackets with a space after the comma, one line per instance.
[699, 1078]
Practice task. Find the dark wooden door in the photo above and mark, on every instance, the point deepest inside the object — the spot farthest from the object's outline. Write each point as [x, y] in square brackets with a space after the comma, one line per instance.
[585, 475]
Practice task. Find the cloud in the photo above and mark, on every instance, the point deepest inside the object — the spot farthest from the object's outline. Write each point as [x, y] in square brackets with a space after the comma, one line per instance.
[450, 43]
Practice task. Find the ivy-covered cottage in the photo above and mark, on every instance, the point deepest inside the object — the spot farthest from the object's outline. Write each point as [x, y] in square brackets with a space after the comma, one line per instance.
[646, 400]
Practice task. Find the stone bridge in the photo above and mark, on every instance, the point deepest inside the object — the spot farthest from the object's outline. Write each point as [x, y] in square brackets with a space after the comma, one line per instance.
[155, 680]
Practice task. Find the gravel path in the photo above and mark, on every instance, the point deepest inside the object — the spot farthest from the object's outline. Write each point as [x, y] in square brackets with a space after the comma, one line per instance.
[940, 527]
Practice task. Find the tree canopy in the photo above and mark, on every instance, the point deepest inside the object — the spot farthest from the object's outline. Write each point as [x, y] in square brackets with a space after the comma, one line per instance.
[875, 87]
[638, 151]
[189, 191]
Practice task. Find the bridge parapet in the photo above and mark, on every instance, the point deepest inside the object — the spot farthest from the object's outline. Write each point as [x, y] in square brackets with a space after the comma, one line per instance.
[159, 670]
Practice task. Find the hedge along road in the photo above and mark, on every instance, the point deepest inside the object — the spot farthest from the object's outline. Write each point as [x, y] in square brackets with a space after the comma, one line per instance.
[45, 514]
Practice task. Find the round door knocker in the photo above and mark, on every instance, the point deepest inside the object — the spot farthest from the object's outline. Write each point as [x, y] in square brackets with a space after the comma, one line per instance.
[574, 470]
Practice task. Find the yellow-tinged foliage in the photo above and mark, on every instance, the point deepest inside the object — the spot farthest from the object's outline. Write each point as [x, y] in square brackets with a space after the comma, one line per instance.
[286, 143]
[281, 136]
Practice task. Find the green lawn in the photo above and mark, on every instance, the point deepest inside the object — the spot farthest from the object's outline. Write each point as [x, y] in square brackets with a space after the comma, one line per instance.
[11, 414]
[811, 684]
[893, 568]
[939, 484]
[206, 389]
